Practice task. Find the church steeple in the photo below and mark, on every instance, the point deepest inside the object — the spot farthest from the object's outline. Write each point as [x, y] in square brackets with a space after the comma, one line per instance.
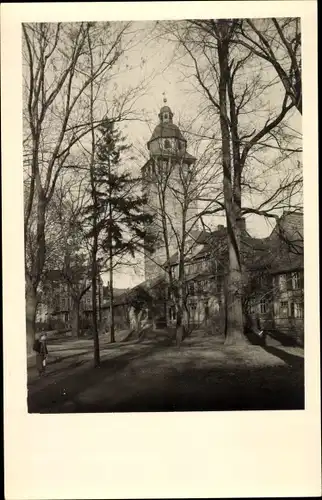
[167, 138]
[168, 153]
[165, 115]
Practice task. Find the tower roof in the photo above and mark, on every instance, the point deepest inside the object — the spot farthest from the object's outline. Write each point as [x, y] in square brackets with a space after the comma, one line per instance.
[165, 109]
[166, 128]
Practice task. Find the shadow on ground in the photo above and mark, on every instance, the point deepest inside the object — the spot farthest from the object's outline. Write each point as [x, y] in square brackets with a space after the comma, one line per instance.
[201, 391]
[289, 358]
[56, 393]
[202, 375]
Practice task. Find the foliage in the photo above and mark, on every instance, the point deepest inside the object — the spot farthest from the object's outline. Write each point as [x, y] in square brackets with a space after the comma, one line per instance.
[121, 220]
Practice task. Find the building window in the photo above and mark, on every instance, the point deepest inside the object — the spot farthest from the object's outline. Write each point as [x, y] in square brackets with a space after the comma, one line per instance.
[191, 288]
[88, 300]
[263, 306]
[283, 309]
[296, 281]
[66, 317]
[297, 310]
[261, 281]
[172, 314]
[193, 307]
[282, 282]
[167, 144]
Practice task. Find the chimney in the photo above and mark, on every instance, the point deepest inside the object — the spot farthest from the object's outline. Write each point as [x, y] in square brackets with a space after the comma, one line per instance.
[241, 223]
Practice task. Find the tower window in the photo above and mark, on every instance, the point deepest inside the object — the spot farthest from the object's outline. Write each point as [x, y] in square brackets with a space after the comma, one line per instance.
[166, 116]
[167, 144]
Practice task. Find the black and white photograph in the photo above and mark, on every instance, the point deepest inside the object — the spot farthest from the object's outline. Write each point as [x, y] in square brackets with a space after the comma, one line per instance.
[163, 207]
[160, 249]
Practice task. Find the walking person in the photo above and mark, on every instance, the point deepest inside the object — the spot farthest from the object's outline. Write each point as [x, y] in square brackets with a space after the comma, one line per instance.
[40, 348]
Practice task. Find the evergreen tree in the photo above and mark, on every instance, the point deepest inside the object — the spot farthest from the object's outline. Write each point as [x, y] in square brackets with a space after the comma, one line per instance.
[119, 210]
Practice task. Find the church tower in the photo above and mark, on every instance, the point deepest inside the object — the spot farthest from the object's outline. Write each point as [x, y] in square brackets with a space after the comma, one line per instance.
[168, 180]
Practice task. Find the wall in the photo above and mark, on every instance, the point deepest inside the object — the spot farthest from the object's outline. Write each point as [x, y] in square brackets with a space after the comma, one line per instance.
[121, 316]
[173, 212]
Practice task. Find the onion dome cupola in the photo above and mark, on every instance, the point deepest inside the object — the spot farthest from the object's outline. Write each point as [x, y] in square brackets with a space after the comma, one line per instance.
[167, 138]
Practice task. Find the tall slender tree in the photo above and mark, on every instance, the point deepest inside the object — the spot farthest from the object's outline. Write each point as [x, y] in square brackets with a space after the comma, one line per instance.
[117, 205]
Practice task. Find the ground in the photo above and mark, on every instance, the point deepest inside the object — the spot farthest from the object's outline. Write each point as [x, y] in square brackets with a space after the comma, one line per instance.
[155, 375]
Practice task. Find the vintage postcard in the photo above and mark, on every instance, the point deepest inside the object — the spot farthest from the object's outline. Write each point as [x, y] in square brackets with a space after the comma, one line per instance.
[160, 177]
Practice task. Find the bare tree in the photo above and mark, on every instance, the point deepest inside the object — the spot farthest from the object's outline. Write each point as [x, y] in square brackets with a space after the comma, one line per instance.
[277, 41]
[231, 79]
[57, 116]
[72, 252]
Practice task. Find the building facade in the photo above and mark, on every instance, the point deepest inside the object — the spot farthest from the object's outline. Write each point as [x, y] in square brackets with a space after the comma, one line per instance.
[273, 280]
[56, 301]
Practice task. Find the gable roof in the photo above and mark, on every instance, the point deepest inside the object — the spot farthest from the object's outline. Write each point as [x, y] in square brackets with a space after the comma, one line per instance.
[281, 251]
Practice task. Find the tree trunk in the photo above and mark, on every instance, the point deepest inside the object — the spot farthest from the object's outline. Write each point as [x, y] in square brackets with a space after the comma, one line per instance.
[111, 291]
[99, 304]
[75, 317]
[179, 328]
[95, 218]
[111, 294]
[37, 267]
[234, 332]
[94, 306]
[235, 318]
[31, 309]
[182, 320]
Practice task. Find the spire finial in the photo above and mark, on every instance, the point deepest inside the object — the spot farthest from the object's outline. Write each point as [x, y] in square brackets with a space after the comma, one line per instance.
[164, 98]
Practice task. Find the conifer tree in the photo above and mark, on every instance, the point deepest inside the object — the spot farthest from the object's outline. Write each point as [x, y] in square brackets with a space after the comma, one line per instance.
[119, 208]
